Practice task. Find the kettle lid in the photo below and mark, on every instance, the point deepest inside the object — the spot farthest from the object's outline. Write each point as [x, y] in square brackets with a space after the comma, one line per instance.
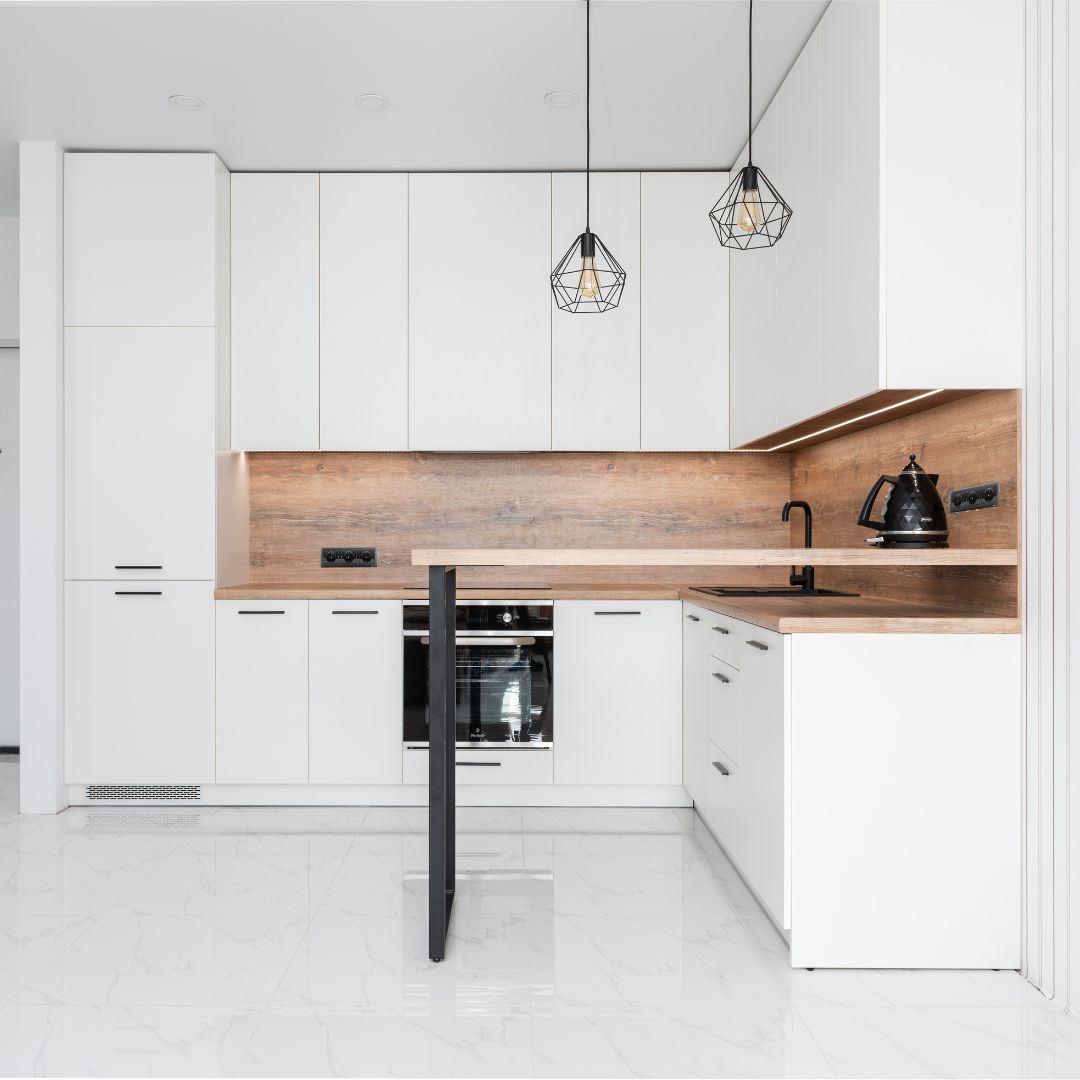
[913, 466]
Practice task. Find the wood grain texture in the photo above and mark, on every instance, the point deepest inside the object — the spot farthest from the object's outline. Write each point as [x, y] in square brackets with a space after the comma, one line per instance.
[301, 502]
[871, 410]
[851, 615]
[969, 441]
[710, 557]
[317, 591]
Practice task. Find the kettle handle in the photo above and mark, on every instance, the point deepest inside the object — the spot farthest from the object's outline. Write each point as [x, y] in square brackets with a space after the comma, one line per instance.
[864, 514]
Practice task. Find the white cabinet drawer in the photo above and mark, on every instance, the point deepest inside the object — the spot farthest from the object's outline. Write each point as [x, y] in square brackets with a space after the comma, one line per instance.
[722, 695]
[262, 688]
[485, 766]
[354, 691]
[139, 453]
[725, 637]
[139, 662]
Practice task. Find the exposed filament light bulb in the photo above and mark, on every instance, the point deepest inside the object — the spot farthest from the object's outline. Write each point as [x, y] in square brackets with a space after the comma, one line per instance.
[588, 282]
[751, 215]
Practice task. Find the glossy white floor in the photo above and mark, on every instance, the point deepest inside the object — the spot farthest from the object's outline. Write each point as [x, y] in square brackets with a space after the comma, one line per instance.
[585, 943]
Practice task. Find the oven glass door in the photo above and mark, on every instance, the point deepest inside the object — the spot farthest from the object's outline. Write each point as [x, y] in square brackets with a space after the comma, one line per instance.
[503, 691]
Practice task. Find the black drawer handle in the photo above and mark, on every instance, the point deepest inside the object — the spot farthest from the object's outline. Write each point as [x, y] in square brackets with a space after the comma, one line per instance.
[354, 613]
[693, 618]
[758, 645]
[722, 678]
[137, 567]
[137, 592]
[262, 611]
[721, 768]
[479, 764]
[721, 630]
[616, 612]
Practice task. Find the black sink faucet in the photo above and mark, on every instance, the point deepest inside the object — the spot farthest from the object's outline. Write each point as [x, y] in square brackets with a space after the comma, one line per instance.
[804, 580]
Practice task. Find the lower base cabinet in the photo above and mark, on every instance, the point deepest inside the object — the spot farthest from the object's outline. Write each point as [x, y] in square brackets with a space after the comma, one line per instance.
[876, 819]
[139, 682]
[262, 692]
[519, 767]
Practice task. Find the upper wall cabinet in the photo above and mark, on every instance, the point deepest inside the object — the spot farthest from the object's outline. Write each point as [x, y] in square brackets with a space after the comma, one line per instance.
[364, 311]
[275, 311]
[595, 357]
[898, 140]
[479, 311]
[139, 239]
[684, 314]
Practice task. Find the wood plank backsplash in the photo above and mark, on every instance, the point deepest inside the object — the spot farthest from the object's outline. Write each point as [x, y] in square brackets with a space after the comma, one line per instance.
[970, 441]
[301, 502]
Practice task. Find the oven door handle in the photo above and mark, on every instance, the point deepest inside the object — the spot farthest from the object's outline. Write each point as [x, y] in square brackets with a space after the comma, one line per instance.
[488, 640]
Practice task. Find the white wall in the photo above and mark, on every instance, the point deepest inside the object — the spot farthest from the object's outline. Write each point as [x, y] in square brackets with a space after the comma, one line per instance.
[9, 281]
[9, 547]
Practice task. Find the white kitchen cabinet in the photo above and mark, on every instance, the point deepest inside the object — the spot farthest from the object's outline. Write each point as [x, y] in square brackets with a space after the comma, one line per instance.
[262, 692]
[596, 357]
[139, 452]
[722, 695]
[684, 314]
[354, 691]
[694, 700]
[886, 105]
[483, 767]
[364, 311]
[139, 682]
[618, 694]
[275, 311]
[140, 239]
[479, 328]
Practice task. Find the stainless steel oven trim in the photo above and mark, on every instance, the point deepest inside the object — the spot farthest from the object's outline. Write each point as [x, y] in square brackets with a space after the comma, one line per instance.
[488, 641]
[466, 637]
[517, 601]
[499, 746]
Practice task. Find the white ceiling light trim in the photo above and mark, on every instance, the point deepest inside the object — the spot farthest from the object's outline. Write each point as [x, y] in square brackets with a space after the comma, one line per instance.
[187, 102]
[372, 102]
[561, 99]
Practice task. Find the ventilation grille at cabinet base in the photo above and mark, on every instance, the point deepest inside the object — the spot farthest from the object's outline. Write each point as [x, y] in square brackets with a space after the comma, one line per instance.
[145, 792]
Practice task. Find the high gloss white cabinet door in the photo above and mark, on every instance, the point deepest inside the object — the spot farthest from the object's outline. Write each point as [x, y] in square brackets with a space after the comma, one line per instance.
[694, 701]
[139, 694]
[364, 311]
[139, 239]
[354, 694]
[275, 311]
[139, 452]
[618, 692]
[684, 314]
[479, 329]
[596, 357]
[262, 692]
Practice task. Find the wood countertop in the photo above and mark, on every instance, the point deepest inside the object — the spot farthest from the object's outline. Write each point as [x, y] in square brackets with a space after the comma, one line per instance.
[784, 614]
[787, 556]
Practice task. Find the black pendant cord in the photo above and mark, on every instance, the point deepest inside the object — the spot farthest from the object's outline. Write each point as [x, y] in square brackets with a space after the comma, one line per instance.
[588, 109]
[750, 89]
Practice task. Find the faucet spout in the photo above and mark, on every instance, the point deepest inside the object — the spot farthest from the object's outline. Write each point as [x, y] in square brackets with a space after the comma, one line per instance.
[805, 579]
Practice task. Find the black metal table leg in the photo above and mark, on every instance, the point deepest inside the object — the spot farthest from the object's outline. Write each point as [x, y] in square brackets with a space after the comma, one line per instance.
[442, 677]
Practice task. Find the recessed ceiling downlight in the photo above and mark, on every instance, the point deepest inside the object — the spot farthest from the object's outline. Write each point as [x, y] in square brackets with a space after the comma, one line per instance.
[561, 99]
[372, 102]
[187, 102]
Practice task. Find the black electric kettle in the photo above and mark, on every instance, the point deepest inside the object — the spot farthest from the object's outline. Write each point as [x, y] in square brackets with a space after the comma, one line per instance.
[913, 514]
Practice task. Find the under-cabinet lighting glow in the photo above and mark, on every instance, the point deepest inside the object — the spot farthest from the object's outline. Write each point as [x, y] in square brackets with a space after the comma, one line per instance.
[853, 420]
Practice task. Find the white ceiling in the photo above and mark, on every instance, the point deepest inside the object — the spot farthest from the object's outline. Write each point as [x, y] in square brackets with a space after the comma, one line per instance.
[466, 80]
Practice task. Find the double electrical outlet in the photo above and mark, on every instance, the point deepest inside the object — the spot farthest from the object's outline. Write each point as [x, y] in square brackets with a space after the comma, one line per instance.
[340, 557]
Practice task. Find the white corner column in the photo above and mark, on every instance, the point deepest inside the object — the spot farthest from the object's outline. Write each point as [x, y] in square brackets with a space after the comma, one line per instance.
[41, 478]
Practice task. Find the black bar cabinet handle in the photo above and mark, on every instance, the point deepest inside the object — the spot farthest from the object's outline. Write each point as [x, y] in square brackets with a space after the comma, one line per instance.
[721, 630]
[616, 612]
[354, 613]
[479, 764]
[133, 567]
[722, 678]
[137, 592]
[261, 611]
[758, 645]
[693, 618]
[721, 768]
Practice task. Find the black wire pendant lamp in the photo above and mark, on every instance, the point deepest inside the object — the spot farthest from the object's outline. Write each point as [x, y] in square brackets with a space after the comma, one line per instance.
[588, 277]
[751, 213]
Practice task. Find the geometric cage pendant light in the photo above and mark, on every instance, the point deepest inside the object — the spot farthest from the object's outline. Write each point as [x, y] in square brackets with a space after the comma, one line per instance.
[751, 213]
[588, 277]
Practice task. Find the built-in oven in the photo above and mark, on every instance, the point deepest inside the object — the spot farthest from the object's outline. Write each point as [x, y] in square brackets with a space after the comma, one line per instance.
[504, 678]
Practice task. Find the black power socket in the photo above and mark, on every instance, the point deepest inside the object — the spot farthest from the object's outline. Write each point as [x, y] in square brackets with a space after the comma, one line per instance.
[977, 497]
[340, 558]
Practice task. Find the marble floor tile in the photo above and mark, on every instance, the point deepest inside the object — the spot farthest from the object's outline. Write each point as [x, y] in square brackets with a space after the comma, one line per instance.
[324, 1042]
[29, 943]
[63, 1040]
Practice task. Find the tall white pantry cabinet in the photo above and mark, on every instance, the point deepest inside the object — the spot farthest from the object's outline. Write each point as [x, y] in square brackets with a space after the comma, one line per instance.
[146, 424]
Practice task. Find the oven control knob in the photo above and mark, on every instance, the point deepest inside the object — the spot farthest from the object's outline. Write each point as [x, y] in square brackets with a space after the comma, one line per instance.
[507, 617]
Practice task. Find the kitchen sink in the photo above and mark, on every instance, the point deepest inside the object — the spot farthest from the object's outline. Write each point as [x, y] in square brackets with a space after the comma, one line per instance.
[766, 590]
